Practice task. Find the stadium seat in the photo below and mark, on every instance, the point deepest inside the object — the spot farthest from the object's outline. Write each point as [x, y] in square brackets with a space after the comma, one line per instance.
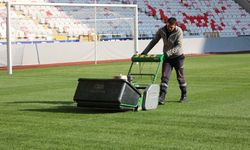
[194, 16]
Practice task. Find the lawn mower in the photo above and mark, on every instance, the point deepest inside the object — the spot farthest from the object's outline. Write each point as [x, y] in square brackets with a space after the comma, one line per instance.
[123, 93]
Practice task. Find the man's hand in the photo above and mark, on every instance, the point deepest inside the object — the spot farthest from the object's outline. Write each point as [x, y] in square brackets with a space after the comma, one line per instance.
[171, 52]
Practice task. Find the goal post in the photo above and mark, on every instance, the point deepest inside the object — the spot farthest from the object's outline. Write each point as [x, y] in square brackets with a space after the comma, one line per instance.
[118, 20]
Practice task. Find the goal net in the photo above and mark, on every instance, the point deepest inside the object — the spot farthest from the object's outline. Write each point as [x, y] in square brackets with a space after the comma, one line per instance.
[47, 33]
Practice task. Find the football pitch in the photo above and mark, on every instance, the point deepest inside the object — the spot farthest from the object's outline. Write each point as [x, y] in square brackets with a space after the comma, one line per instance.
[37, 110]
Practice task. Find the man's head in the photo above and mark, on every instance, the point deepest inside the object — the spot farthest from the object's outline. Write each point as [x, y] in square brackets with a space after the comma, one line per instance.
[171, 24]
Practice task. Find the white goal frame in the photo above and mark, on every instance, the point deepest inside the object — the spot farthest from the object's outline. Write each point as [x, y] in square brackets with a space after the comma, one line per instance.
[8, 24]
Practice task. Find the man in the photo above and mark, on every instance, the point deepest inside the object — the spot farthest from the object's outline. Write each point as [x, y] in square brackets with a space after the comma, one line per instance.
[172, 36]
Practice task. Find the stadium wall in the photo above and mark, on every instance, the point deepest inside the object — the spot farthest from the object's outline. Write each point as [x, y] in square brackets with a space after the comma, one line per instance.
[48, 53]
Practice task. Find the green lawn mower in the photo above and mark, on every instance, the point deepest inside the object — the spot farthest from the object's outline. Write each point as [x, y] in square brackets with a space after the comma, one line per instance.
[138, 91]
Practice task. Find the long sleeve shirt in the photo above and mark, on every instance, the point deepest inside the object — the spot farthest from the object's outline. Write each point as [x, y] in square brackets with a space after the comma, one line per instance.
[172, 42]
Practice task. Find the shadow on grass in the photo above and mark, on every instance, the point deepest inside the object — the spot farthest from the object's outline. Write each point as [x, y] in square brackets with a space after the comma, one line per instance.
[172, 101]
[66, 107]
[74, 110]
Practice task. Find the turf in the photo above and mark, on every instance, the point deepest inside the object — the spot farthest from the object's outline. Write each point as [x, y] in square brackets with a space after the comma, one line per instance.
[37, 110]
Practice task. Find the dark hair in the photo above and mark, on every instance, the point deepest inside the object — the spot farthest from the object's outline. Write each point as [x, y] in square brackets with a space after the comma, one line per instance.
[172, 20]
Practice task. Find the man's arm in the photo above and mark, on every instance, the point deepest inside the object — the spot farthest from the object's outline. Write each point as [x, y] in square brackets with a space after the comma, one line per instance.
[152, 43]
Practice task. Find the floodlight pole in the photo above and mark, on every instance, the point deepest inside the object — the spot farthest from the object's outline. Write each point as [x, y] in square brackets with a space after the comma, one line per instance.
[9, 50]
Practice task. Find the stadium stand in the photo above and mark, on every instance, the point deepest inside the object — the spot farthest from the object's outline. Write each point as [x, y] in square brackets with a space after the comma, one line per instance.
[207, 18]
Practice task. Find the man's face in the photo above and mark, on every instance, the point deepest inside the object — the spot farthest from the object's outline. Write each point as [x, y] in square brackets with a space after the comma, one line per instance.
[170, 27]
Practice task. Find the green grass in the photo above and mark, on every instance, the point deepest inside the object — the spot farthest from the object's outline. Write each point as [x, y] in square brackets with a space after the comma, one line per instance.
[37, 110]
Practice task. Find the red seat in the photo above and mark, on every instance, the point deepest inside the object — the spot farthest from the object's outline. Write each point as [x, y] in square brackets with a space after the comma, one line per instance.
[164, 18]
[152, 11]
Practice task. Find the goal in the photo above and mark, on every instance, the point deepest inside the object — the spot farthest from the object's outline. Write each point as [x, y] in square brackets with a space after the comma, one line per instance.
[47, 33]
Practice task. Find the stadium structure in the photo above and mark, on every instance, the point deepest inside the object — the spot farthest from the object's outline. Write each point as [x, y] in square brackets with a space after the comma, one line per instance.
[54, 34]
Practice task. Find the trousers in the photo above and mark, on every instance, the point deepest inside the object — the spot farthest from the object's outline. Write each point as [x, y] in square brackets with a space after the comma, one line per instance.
[167, 67]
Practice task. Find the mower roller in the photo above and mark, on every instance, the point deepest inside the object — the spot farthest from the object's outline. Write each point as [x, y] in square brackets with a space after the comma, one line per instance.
[122, 94]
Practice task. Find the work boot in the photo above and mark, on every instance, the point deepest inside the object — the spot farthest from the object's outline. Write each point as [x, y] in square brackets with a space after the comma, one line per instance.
[162, 98]
[183, 98]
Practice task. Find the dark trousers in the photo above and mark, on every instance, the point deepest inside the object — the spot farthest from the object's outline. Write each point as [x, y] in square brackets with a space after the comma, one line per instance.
[167, 67]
